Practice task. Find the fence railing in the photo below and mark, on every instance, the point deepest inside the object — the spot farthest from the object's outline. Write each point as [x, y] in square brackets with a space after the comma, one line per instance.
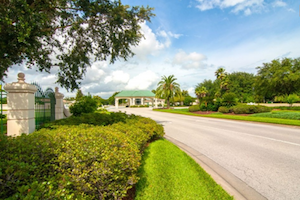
[44, 106]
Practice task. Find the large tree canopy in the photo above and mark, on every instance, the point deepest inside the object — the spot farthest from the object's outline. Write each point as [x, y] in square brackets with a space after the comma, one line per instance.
[67, 34]
[279, 77]
[241, 84]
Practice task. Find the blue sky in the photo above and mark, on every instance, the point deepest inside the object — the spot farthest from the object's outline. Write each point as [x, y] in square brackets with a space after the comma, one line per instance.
[191, 39]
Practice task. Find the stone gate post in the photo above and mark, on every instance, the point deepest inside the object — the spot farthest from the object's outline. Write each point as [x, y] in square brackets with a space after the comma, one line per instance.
[59, 106]
[20, 103]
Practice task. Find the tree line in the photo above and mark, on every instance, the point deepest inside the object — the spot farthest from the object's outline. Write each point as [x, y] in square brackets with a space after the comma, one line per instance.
[276, 81]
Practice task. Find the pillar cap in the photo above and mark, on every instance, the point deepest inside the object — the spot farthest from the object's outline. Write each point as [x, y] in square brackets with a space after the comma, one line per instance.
[58, 95]
[21, 86]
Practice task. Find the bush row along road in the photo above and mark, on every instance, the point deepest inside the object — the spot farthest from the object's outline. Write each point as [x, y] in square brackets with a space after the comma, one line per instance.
[262, 156]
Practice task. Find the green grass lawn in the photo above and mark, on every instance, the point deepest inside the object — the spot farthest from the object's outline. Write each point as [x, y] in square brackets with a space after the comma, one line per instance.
[264, 119]
[167, 173]
[282, 114]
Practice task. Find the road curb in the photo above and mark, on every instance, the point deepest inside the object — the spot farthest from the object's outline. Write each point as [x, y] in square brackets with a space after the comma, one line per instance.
[229, 182]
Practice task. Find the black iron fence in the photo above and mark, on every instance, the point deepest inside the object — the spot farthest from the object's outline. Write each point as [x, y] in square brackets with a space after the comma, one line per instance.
[44, 106]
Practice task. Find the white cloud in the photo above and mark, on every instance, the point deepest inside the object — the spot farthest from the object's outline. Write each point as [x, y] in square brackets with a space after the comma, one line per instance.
[191, 91]
[149, 45]
[246, 6]
[95, 73]
[117, 76]
[189, 61]
[143, 81]
[279, 3]
[247, 12]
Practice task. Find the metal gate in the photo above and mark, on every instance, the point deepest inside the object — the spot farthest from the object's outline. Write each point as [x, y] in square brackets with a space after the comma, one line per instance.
[3, 120]
[44, 106]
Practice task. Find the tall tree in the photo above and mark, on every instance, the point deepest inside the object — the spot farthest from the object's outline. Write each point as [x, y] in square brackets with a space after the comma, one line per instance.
[66, 34]
[79, 95]
[241, 84]
[212, 87]
[168, 88]
[279, 77]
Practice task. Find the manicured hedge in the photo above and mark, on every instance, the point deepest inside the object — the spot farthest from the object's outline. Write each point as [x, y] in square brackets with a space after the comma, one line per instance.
[250, 109]
[194, 108]
[100, 119]
[223, 109]
[76, 161]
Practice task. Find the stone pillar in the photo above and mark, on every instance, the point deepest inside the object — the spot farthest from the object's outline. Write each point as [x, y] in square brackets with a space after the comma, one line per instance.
[142, 101]
[59, 105]
[20, 103]
[133, 101]
[116, 103]
[156, 106]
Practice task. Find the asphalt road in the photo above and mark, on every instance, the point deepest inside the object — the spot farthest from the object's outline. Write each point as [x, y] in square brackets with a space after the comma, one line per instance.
[262, 156]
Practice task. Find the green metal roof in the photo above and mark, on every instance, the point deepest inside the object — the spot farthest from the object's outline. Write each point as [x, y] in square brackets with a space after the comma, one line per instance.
[135, 93]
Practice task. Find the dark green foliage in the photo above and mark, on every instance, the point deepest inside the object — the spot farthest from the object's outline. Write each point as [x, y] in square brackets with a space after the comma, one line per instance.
[229, 99]
[79, 95]
[279, 77]
[203, 107]
[98, 119]
[72, 31]
[212, 106]
[241, 84]
[2, 116]
[86, 105]
[75, 162]
[188, 100]
[250, 109]
[223, 109]
[194, 108]
[4, 100]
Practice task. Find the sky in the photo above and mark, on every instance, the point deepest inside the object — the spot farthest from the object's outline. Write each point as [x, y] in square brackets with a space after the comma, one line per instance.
[191, 39]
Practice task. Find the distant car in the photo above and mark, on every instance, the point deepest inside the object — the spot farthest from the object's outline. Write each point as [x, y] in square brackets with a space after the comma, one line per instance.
[127, 106]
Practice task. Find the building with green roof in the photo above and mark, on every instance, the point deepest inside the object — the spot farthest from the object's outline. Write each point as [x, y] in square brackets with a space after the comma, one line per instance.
[136, 97]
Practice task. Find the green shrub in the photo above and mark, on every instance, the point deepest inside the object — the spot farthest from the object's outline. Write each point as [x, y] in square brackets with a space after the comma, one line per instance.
[292, 98]
[99, 119]
[250, 109]
[203, 107]
[194, 108]
[223, 109]
[75, 162]
[86, 105]
[2, 116]
[229, 99]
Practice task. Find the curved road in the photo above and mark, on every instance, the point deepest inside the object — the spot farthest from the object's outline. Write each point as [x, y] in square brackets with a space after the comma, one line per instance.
[262, 156]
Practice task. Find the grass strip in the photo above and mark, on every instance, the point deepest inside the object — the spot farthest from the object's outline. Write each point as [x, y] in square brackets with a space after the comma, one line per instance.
[167, 173]
[292, 122]
[279, 114]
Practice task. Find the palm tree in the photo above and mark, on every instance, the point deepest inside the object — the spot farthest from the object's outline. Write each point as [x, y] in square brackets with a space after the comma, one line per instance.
[220, 73]
[201, 93]
[222, 76]
[168, 88]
